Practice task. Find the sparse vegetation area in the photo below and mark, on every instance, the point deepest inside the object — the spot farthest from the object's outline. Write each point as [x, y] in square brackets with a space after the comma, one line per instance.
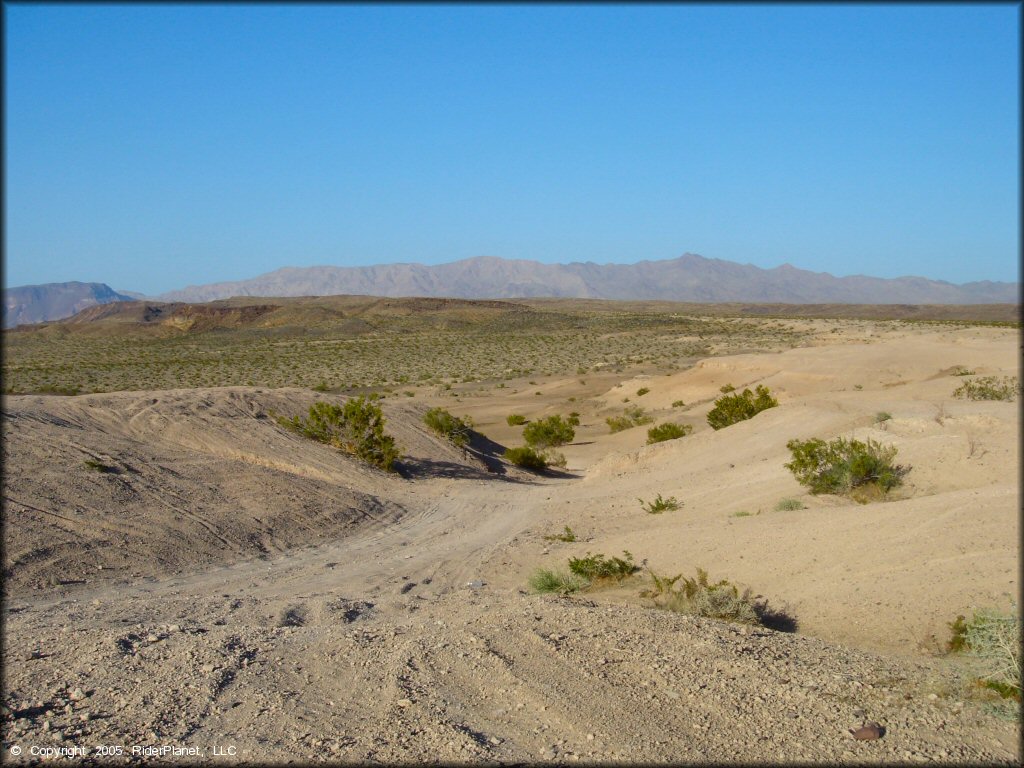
[357, 428]
[667, 431]
[989, 388]
[633, 416]
[454, 429]
[659, 505]
[864, 470]
[733, 408]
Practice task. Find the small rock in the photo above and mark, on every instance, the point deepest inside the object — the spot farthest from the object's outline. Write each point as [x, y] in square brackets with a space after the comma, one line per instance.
[404, 702]
[494, 740]
[152, 638]
[868, 732]
[590, 737]
[475, 584]
[77, 695]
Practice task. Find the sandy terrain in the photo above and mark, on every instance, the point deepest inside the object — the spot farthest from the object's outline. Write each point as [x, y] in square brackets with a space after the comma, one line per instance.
[231, 585]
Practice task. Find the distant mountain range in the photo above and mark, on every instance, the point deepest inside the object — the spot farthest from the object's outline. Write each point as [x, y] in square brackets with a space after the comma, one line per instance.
[52, 301]
[689, 278]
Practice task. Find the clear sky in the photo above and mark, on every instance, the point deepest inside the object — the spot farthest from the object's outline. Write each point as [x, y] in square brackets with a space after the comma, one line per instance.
[155, 146]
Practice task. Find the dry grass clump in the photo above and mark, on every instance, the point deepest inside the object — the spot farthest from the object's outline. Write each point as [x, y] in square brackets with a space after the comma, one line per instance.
[659, 505]
[721, 600]
[546, 581]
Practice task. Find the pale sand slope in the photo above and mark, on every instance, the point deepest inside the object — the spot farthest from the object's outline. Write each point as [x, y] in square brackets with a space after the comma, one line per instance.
[369, 646]
[885, 575]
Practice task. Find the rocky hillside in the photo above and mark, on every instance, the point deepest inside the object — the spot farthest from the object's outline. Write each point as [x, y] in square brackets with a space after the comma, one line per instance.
[687, 278]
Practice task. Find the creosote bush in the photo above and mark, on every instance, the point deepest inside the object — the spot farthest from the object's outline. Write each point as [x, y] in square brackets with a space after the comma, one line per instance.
[844, 466]
[454, 429]
[567, 536]
[633, 416]
[515, 419]
[549, 432]
[357, 428]
[989, 388]
[733, 408]
[667, 431]
[526, 457]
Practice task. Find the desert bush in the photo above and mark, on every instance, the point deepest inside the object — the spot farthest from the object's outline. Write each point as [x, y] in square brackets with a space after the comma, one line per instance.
[722, 600]
[454, 429]
[678, 404]
[842, 466]
[961, 370]
[667, 431]
[515, 419]
[549, 432]
[598, 567]
[97, 466]
[526, 457]
[545, 581]
[568, 535]
[994, 638]
[732, 408]
[726, 389]
[882, 416]
[989, 388]
[554, 458]
[788, 505]
[356, 428]
[631, 417]
[659, 505]
[642, 391]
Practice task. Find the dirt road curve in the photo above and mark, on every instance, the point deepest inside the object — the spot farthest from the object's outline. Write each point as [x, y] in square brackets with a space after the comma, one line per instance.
[376, 649]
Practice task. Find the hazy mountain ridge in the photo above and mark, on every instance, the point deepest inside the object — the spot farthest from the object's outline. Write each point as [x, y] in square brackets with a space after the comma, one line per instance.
[687, 278]
[54, 301]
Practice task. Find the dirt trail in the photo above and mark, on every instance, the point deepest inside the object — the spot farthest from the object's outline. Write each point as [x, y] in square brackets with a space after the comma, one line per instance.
[265, 598]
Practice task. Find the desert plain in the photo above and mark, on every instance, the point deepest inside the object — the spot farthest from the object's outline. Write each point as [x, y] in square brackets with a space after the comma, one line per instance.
[182, 571]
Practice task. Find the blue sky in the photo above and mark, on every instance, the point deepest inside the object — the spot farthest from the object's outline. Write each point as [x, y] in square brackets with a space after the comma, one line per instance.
[155, 146]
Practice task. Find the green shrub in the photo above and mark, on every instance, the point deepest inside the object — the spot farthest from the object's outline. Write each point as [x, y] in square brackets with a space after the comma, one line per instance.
[454, 429]
[989, 388]
[961, 370]
[659, 505]
[882, 416]
[843, 466]
[667, 431]
[321, 387]
[357, 428]
[631, 417]
[97, 466]
[544, 580]
[598, 567]
[678, 404]
[548, 432]
[731, 409]
[526, 457]
[642, 391]
[515, 419]
[788, 505]
[726, 389]
[568, 536]
[994, 638]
